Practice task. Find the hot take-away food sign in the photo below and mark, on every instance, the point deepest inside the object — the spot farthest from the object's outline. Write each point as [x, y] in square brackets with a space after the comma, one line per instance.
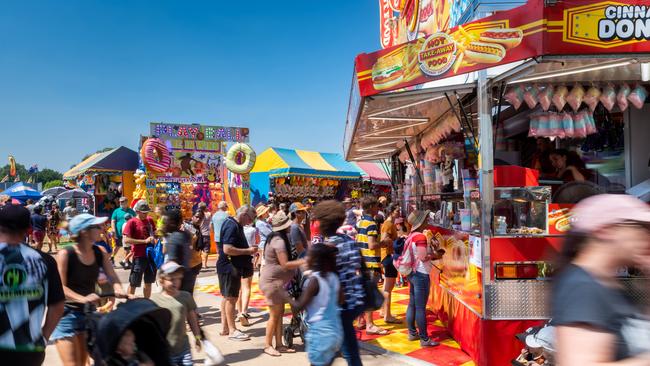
[577, 27]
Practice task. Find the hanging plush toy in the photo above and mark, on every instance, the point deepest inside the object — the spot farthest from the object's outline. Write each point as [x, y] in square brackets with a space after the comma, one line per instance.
[140, 192]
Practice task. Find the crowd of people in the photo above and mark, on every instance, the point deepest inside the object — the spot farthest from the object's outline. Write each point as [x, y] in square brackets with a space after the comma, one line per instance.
[322, 260]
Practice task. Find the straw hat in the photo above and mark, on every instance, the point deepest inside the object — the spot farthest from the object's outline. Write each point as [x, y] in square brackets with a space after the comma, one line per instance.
[280, 221]
[417, 218]
[262, 210]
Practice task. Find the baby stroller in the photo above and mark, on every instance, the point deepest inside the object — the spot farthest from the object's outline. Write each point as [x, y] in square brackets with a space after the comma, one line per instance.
[298, 326]
[144, 318]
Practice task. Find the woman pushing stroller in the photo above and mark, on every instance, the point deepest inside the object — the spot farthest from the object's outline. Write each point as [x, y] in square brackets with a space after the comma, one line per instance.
[79, 266]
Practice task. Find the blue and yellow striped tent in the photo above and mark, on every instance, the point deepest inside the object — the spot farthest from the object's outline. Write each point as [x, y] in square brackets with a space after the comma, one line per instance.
[277, 162]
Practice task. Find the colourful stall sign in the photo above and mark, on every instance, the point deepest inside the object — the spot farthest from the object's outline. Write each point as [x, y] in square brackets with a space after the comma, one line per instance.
[199, 132]
[578, 27]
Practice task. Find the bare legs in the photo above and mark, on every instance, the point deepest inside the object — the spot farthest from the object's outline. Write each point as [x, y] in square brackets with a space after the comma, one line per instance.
[72, 351]
[228, 315]
[244, 295]
[389, 284]
[274, 330]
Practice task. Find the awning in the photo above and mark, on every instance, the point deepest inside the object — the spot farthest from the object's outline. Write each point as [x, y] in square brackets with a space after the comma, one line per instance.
[373, 172]
[116, 160]
[278, 162]
[22, 192]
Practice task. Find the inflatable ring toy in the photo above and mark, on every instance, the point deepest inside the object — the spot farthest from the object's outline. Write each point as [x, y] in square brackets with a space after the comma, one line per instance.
[249, 158]
[155, 155]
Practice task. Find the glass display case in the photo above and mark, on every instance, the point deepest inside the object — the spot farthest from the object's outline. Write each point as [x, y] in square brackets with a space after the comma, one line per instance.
[521, 211]
[517, 211]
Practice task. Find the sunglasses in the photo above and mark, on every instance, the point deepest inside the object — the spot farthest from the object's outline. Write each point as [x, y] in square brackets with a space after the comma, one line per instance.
[93, 227]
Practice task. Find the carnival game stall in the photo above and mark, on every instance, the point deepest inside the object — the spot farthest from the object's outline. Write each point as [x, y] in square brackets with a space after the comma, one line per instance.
[105, 176]
[290, 175]
[185, 164]
[498, 127]
[375, 180]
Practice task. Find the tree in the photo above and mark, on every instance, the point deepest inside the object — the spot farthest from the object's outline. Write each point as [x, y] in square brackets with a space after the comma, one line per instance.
[20, 170]
[52, 184]
[47, 175]
[42, 176]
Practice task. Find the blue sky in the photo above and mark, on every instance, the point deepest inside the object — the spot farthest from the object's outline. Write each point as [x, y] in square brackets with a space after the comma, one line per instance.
[77, 76]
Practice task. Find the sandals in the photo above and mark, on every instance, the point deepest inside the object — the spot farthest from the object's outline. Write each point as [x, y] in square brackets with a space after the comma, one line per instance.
[392, 320]
[272, 352]
[376, 331]
[285, 349]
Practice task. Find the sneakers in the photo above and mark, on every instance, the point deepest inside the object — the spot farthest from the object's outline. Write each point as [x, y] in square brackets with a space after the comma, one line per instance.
[413, 337]
[239, 336]
[428, 343]
[123, 264]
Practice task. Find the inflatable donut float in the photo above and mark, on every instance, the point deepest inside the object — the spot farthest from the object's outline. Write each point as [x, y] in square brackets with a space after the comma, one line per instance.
[246, 164]
[155, 155]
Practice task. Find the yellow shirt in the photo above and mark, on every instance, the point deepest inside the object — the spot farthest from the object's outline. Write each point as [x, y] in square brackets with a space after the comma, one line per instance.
[367, 227]
[388, 227]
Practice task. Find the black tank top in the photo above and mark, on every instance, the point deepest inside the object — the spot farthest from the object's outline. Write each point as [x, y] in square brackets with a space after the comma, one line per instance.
[82, 278]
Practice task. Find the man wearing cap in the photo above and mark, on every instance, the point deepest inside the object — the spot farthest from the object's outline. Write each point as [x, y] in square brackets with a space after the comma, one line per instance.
[32, 301]
[297, 235]
[262, 225]
[216, 222]
[350, 215]
[118, 219]
[140, 231]
[234, 263]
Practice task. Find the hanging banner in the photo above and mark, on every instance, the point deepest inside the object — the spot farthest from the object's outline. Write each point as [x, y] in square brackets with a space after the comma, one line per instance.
[577, 27]
[198, 132]
[402, 21]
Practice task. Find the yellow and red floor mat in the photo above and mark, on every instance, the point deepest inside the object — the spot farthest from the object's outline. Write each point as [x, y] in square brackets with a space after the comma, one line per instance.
[448, 353]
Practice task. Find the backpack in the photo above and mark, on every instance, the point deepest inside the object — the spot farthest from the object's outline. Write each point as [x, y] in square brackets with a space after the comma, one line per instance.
[406, 262]
[155, 254]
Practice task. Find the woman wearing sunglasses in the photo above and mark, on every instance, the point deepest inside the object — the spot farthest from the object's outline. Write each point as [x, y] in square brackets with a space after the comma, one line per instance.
[79, 266]
[597, 323]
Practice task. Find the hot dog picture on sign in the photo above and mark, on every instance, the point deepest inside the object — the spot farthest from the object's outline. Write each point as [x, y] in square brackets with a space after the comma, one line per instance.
[441, 52]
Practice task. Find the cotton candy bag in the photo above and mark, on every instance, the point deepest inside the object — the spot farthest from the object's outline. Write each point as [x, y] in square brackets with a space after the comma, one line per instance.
[530, 96]
[638, 96]
[555, 125]
[575, 97]
[533, 130]
[515, 96]
[590, 122]
[545, 96]
[579, 126]
[559, 97]
[608, 97]
[592, 97]
[567, 125]
[621, 97]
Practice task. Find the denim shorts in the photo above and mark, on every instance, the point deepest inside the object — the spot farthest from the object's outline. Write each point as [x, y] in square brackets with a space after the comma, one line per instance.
[71, 324]
[182, 359]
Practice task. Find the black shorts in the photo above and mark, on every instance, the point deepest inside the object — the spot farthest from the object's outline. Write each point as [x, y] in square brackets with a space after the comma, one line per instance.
[229, 283]
[118, 241]
[389, 268]
[22, 358]
[142, 268]
[247, 272]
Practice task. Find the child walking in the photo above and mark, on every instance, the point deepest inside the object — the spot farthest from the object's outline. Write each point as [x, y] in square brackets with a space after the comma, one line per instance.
[321, 297]
[183, 309]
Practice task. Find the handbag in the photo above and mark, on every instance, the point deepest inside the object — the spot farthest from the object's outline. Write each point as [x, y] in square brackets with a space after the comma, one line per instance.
[373, 299]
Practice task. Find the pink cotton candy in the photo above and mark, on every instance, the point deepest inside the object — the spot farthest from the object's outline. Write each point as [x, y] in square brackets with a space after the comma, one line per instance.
[608, 97]
[545, 96]
[559, 98]
[533, 130]
[638, 96]
[621, 97]
[567, 125]
[530, 96]
[515, 96]
[592, 98]
[579, 126]
[555, 125]
[590, 122]
[575, 97]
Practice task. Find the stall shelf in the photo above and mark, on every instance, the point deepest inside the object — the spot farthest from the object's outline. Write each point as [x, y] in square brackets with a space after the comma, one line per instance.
[493, 280]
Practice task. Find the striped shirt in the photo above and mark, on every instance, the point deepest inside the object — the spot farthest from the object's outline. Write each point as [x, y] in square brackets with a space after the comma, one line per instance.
[367, 228]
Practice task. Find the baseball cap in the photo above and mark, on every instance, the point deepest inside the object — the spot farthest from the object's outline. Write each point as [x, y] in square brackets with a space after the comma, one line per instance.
[307, 201]
[83, 221]
[123, 199]
[596, 212]
[170, 267]
[419, 239]
[142, 206]
[297, 206]
[14, 217]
